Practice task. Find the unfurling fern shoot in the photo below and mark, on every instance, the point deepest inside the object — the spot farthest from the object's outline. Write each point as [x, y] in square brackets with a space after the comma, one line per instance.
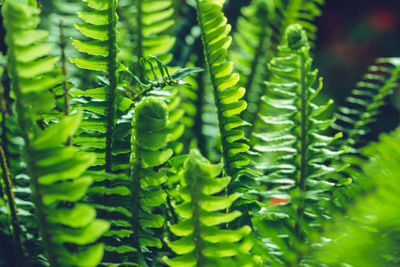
[149, 137]
[202, 242]
[294, 134]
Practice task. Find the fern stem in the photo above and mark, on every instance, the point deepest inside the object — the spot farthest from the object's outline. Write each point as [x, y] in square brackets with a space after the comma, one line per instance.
[64, 68]
[64, 72]
[139, 40]
[18, 245]
[29, 157]
[4, 138]
[303, 153]
[198, 121]
[112, 77]
[254, 65]
[174, 219]
[135, 204]
[199, 243]
[135, 209]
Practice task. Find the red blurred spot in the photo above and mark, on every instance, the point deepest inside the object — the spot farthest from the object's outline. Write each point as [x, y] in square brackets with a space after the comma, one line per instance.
[383, 19]
[276, 201]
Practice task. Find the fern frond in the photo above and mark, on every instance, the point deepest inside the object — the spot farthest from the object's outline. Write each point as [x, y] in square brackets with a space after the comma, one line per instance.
[294, 134]
[362, 106]
[55, 171]
[354, 119]
[216, 41]
[100, 26]
[202, 242]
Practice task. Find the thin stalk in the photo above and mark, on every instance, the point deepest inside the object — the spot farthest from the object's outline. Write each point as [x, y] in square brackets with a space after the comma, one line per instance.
[254, 66]
[64, 68]
[197, 238]
[303, 154]
[174, 219]
[18, 245]
[139, 40]
[135, 205]
[198, 121]
[4, 114]
[64, 71]
[112, 77]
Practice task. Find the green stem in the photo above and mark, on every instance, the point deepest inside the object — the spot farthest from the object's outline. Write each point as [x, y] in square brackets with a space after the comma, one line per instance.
[18, 245]
[303, 154]
[174, 219]
[198, 120]
[112, 77]
[139, 40]
[64, 72]
[64, 68]
[254, 66]
[4, 138]
[135, 203]
[197, 239]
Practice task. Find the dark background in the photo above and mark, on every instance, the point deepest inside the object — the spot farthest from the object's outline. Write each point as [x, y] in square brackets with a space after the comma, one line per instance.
[351, 35]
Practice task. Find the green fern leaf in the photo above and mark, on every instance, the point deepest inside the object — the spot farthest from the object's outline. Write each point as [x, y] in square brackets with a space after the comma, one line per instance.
[363, 105]
[357, 241]
[354, 120]
[216, 40]
[293, 135]
[201, 241]
[100, 24]
[52, 183]
[256, 44]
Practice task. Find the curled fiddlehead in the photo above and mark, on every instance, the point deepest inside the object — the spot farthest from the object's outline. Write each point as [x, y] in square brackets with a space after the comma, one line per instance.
[149, 137]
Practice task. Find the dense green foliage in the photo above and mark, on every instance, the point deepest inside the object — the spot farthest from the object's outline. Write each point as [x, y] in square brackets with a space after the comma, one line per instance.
[109, 157]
